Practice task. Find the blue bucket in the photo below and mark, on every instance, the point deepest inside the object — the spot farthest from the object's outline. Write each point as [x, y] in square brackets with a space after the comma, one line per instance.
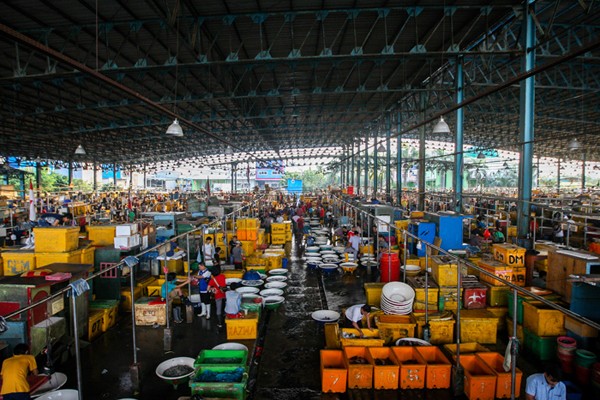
[284, 262]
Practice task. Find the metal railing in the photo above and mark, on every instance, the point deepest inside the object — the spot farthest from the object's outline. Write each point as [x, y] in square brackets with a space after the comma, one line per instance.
[460, 262]
[69, 291]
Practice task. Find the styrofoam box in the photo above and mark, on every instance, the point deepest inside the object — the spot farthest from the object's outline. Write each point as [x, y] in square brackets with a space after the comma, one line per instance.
[126, 230]
[127, 241]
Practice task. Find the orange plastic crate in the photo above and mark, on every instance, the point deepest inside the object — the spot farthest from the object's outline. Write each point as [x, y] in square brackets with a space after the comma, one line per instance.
[360, 376]
[384, 376]
[504, 379]
[241, 234]
[480, 379]
[438, 367]
[334, 375]
[412, 367]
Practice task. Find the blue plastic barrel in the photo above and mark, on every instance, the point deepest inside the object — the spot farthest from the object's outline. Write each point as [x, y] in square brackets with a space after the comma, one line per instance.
[284, 262]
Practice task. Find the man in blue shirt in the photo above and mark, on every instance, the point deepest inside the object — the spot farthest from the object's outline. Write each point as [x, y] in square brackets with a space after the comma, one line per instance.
[546, 385]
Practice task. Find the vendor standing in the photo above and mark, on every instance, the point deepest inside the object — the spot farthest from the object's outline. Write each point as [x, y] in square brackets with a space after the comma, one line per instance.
[15, 371]
[355, 314]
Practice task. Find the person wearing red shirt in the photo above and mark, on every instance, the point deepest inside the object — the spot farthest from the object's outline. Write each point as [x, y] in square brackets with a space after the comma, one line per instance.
[218, 286]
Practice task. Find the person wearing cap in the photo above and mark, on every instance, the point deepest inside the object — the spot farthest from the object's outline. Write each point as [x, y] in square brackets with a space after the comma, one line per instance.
[355, 314]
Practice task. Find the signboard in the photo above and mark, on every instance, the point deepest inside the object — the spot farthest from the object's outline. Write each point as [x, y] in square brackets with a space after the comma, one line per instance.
[269, 170]
[294, 186]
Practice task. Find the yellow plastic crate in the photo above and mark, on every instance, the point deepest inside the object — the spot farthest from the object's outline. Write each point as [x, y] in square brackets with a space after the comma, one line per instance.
[401, 224]
[278, 238]
[541, 320]
[497, 295]
[444, 270]
[248, 247]
[465, 348]
[88, 255]
[373, 292]
[497, 268]
[520, 333]
[371, 338]
[274, 261]
[288, 236]
[56, 239]
[154, 289]
[394, 327]
[288, 226]
[478, 326]
[252, 223]
[441, 331]
[69, 257]
[18, 261]
[95, 321]
[242, 328]
[500, 313]
[126, 298]
[144, 283]
[509, 254]
[240, 223]
[101, 235]
[110, 315]
[278, 227]
[233, 273]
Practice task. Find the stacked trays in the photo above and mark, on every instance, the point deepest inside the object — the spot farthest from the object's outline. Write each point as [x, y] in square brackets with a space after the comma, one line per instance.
[397, 298]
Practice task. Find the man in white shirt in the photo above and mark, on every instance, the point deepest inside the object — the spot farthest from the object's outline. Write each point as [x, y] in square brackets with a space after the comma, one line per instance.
[354, 316]
[355, 240]
[546, 385]
[209, 250]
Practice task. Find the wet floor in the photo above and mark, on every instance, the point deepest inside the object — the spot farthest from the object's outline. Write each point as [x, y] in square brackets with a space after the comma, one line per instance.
[285, 367]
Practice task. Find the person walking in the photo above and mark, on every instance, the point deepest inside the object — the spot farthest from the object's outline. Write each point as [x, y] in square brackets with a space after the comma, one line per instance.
[217, 285]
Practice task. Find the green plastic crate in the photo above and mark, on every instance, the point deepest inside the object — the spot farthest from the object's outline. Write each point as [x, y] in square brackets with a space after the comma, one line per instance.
[231, 390]
[543, 347]
[212, 358]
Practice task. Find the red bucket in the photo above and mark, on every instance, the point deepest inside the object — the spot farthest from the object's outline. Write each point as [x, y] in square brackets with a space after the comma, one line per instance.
[389, 265]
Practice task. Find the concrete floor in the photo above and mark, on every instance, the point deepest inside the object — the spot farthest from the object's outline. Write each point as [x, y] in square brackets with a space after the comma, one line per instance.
[288, 367]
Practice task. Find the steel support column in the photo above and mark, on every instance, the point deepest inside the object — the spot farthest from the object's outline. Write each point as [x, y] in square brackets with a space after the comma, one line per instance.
[399, 161]
[352, 183]
[95, 176]
[375, 166]
[358, 168]
[388, 155]
[115, 175]
[458, 139]
[583, 174]
[348, 181]
[38, 177]
[421, 187]
[526, 122]
[70, 173]
[367, 166]
[558, 176]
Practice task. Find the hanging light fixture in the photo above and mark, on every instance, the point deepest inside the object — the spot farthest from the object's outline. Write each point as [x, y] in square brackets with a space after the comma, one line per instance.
[228, 150]
[80, 150]
[481, 156]
[574, 145]
[380, 148]
[175, 129]
[441, 126]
